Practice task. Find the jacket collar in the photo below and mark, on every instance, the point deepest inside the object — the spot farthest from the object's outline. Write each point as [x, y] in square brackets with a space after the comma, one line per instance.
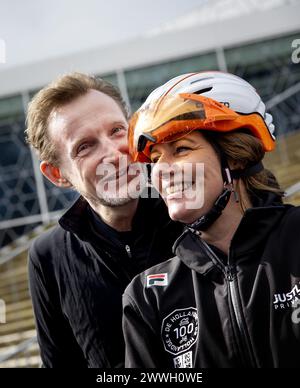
[253, 230]
[76, 218]
[151, 214]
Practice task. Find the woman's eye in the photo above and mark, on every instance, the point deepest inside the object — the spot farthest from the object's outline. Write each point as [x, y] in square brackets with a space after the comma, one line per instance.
[181, 149]
[154, 159]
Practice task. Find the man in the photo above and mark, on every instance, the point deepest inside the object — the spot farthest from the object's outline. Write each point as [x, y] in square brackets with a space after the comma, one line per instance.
[79, 270]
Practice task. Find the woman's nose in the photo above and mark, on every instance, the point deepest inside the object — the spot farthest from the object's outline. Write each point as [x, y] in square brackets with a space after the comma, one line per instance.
[165, 171]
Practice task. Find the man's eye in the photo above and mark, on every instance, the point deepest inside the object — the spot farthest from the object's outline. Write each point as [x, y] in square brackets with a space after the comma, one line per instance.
[83, 147]
[117, 130]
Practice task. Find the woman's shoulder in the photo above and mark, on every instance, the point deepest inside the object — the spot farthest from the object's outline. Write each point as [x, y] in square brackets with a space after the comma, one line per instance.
[158, 275]
[292, 216]
[289, 226]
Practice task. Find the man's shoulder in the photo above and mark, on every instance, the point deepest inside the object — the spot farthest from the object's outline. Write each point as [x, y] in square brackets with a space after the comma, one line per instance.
[48, 244]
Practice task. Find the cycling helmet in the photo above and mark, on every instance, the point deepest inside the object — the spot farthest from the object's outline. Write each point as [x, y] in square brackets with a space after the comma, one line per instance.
[211, 100]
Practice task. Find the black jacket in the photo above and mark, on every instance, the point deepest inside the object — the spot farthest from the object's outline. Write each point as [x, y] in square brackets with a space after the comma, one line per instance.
[77, 278]
[219, 311]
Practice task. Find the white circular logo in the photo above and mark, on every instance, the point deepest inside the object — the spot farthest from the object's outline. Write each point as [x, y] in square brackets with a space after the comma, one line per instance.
[179, 330]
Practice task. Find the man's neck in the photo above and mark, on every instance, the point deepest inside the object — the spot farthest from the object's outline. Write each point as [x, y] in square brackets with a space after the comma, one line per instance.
[119, 217]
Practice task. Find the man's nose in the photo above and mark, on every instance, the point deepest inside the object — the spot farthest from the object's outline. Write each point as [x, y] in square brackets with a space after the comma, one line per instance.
[114, 151]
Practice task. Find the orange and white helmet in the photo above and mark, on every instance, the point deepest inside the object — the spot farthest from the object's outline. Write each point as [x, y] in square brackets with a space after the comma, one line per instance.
[213, 101]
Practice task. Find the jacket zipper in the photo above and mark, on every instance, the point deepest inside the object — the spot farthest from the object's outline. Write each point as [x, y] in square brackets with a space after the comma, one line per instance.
[128, 251]
[246, 349]
[107, 254]
[230, 275]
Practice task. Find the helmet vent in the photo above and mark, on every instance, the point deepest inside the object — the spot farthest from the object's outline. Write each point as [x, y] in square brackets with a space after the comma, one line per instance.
[203, 90]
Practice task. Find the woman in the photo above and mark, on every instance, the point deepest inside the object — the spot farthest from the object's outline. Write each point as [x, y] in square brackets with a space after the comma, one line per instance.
[229, 296]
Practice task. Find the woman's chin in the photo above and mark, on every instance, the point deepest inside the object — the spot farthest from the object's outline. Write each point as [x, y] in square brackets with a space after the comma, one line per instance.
[181, 214]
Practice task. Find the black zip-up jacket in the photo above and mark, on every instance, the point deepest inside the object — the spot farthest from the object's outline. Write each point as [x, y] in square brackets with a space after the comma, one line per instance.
[77, 278]
[204, 309]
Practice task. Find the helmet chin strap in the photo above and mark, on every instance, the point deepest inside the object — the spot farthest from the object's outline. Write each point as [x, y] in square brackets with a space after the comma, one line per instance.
[205, 221]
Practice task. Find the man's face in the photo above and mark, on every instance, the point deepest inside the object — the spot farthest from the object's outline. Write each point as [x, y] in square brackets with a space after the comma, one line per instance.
[89, 132]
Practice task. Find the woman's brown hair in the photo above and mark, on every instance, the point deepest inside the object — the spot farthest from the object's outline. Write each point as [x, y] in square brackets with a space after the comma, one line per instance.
[243, 150]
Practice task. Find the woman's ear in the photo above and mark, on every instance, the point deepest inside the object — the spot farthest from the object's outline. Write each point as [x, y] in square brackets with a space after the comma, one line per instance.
[235, 165]
[54, 175]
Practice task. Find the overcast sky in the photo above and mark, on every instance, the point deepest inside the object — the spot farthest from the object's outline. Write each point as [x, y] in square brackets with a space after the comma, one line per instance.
[39, 29]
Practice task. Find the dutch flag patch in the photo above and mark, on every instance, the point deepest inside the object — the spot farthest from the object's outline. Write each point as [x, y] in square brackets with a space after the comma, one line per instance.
[158, 279]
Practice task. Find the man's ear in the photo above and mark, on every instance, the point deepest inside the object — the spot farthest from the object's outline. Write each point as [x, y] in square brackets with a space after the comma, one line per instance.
[54, 175]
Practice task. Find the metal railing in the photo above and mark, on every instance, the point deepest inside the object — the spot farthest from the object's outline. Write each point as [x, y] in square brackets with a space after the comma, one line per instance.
[21, 244]
[294, 189]
[8, 254]
[22, 347]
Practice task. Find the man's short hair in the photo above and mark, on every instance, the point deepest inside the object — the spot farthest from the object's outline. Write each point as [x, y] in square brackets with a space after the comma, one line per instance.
[55, 95]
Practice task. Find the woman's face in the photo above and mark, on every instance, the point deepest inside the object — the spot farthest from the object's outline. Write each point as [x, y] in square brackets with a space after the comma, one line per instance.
[187, 173]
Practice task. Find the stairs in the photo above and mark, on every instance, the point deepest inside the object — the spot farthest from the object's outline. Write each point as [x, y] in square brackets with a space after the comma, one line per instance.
[284, 162]
[19, 320]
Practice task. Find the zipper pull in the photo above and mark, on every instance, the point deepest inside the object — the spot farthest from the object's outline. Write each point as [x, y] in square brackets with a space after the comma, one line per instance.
[229, 273]
[128, 250]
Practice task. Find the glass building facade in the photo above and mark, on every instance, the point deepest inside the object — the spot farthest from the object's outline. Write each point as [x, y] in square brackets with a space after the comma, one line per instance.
[267, 65]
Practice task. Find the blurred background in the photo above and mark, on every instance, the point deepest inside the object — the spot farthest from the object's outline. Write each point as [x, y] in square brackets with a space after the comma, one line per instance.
[137, 45]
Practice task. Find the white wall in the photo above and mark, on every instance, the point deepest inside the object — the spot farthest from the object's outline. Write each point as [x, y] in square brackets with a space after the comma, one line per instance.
[147, 50]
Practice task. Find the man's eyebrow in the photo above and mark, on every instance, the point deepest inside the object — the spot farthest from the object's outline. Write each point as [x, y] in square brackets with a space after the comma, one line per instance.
[103, 125]
[84, 137]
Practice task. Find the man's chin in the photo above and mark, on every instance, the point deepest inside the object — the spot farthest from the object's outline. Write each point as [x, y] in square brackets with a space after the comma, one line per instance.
[114, 202]
[108, 199]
